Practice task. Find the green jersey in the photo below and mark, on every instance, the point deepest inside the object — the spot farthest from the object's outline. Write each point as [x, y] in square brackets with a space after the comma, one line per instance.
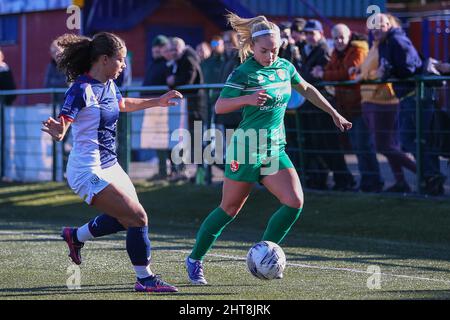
[268, 120]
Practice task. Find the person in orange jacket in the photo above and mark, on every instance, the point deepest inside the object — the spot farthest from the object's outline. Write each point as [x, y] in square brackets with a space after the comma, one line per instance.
[350, 51]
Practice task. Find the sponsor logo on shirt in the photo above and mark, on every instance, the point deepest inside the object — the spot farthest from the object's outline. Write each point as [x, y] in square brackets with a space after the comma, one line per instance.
[94, 180]
[261, 79]
[272, 77]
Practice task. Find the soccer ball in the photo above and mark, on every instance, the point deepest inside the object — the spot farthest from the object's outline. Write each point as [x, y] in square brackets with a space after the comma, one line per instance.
[266, 260]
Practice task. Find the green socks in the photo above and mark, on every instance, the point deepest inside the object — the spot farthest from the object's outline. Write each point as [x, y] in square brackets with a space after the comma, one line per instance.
[211, 228]
[280, 223]
[209, 231]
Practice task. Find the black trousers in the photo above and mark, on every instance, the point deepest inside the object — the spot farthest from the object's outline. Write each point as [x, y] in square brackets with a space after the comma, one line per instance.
[322, 149]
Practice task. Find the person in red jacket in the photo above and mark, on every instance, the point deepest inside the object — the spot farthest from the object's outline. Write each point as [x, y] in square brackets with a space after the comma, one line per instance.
[350, 50]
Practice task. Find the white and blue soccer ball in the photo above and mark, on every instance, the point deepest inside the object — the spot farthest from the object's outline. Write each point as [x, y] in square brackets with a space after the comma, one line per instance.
[266, 260]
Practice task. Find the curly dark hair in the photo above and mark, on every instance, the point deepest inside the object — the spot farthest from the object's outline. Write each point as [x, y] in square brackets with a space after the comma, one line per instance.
[80, 52]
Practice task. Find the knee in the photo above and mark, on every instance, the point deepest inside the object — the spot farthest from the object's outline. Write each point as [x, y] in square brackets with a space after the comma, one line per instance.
[141, 217]
[293, 201]
[231, 209]
[138, 218]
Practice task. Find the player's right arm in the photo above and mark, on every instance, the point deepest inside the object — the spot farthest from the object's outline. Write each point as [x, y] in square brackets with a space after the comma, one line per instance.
[226, 105]
[74, 101]
[232, 97]
[56, 129]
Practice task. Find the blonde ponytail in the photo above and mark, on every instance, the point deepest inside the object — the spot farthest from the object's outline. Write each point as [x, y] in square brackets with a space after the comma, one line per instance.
[246, 27]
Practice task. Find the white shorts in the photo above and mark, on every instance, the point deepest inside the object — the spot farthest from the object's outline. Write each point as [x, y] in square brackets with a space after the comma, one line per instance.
[88, 182]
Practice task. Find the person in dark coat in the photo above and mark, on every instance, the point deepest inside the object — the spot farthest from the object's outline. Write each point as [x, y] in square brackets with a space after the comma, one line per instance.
[157, 70]
[156, 75]
[298, 32]
[188, 71]
[54, 78]
[185, 70]
[231, 61]
[289, 49]
[317, 163]
[6, 80]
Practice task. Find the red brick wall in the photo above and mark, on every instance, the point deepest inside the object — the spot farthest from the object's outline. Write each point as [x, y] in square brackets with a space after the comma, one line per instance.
[180, 11]
[41, 29]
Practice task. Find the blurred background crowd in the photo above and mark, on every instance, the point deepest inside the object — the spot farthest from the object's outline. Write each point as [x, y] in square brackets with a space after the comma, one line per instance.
[384, 115]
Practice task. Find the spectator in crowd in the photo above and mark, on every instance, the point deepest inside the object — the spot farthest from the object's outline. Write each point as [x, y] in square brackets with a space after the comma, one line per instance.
[185, 49]
[212, 66]
[295, 38]
[289, 49]
[186, 71]
[399, 59]
[298, 33]
[231, 61]
[230, 41]
[203, 50]
[168, 53]
[443, 67]
[156, 75]
[318, 164]
[350, 50]
[54, 78]
[157, 70]
[380, 111]
[6, 80]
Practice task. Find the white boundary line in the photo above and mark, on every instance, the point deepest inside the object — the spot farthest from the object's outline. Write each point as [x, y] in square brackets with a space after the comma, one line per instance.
[307, 266]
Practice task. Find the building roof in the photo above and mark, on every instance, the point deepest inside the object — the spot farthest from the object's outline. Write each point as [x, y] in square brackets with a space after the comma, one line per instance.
[312, 8]
[20, 6]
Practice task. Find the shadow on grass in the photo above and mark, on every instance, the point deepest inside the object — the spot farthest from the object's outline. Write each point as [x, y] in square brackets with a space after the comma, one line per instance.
[94, 289]
[22, 189]
[424, 294]
[359, 224]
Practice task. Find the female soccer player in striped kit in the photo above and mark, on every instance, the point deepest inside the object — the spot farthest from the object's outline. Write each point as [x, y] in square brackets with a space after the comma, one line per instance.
[92, 105]
[261, 86]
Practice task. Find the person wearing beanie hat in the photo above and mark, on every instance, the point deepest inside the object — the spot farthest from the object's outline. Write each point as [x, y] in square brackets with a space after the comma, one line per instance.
[298, 32]
[160, 40]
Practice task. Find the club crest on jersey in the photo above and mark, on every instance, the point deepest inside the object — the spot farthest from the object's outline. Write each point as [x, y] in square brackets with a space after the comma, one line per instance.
[234, 166]
[260, 79]
[94, 180]
[281, 73]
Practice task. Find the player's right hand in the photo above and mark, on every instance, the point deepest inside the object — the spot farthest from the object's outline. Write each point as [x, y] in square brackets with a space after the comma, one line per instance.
[54, 128]
[258, 98]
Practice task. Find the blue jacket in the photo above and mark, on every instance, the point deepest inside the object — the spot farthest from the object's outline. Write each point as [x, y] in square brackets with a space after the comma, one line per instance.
[400, 59]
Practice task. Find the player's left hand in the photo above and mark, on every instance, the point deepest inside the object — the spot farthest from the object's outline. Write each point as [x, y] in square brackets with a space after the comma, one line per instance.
[165, 99]
[342, 123]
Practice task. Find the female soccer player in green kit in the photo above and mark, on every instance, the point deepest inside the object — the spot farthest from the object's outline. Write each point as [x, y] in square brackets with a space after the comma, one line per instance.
[261, 86]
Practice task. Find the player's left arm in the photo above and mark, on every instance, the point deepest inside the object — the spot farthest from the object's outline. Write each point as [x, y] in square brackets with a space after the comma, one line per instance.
[316, 98]
[136, 104]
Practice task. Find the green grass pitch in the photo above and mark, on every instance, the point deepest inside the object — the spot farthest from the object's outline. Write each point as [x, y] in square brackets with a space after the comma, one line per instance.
[331, 252]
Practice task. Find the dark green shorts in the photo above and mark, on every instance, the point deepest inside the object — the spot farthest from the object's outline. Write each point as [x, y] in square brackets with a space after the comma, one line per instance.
[255, 171]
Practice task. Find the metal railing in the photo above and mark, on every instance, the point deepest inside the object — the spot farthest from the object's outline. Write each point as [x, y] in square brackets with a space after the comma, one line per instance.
[125, 129]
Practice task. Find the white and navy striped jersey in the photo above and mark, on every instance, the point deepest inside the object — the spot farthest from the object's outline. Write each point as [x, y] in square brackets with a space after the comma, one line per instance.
[93, 109]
